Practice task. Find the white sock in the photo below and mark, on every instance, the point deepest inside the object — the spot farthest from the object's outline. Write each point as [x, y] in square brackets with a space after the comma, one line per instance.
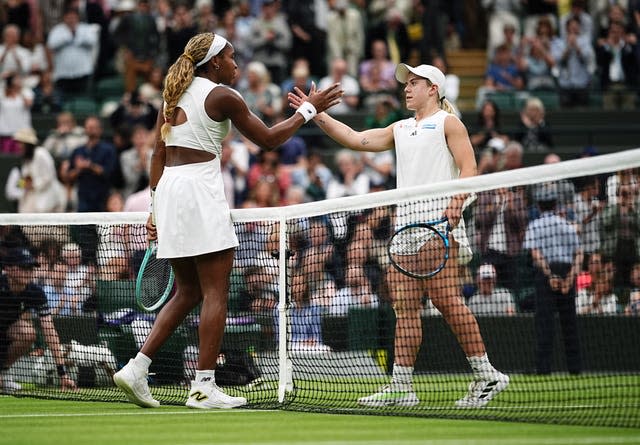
[205, 375]
[142, 360]
[402, 375]
[482, 368]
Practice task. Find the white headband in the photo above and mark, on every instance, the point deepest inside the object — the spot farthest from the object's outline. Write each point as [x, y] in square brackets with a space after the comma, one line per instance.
[217, 45]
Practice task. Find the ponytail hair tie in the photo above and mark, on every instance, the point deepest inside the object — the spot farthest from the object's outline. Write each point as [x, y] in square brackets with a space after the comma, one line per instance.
[188, 57]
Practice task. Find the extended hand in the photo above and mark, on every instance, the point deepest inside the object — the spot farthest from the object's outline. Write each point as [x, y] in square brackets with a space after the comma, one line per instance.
[67, 383]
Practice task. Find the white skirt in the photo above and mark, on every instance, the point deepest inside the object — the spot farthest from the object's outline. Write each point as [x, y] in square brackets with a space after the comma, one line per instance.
[191, 211]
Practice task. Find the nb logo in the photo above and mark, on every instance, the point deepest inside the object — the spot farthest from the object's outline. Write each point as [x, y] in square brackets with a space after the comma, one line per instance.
[199, 396]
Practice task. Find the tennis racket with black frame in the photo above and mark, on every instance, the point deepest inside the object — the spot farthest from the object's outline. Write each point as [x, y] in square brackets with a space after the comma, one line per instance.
[420, 250]
[154, 283]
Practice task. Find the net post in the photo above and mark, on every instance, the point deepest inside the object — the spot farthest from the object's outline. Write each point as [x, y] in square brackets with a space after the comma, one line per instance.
[284, 371]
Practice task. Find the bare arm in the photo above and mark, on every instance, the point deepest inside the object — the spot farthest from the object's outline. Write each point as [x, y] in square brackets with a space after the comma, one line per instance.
[460, 146]
[53, 341]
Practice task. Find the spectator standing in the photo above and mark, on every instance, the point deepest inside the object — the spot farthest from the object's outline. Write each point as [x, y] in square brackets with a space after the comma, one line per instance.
[179, 31]
[73, 44]
[89, 168]
[308, 25]
[557, 266]
[578, 9]
[14, 58]
[65, 137]
[618, 67]
[376, 75]
[576, 63]
[135, 161]
[271, 40]
[263, 97]
[345, 35]
[15, 112]
[137, 34]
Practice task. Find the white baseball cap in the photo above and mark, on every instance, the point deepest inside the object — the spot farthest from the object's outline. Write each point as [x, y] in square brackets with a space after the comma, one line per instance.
[430, 72]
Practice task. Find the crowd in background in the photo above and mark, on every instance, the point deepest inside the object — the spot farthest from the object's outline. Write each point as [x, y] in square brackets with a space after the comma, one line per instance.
[53, 52]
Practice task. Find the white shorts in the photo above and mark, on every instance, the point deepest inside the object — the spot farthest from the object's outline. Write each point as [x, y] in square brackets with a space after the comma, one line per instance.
[191, 211]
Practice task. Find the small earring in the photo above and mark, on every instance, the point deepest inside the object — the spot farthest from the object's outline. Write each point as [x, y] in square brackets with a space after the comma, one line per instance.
[217, 67]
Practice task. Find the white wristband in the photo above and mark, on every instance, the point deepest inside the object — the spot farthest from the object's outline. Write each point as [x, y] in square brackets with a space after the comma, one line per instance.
[307, 111]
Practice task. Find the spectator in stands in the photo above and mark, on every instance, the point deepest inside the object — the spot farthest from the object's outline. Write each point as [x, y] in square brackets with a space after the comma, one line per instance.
[263, 97]
[39, 59]
[535, 60]
[114, 248]
[65, 137]
[20, 299]
[350, 178]
[15, 112]
[557, 266]
[618, 68]
[79, 278]
[613, 12]
[134, 110]
[260, 294]
[452, 81]
[376, 73]
[534, 10]
[89, 168]
[47, 97]
[317, 261]
[136, 160]
[501, 14]
[386, 111]
[308, 25]
[598, 297]
[345, 34]
[633, 308]
[59, 296]
[533, 132]
[620, 231]
[271, 40]
[393, 32]
[151, 90]
[576, 63]
[300, 78]
[179, 30]
[502, 73]
[314, 177]
[270, 170]
[433, 24]
[566, 193]
[489, 299]
[579, 9]
[587, 207]
[488, 126]
[137, 35]
[14, 58]
[41, 190]
[338, 74]
[72, 43]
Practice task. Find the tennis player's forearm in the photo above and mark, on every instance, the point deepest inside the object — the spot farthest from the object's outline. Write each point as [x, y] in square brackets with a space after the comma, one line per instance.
[338, 131]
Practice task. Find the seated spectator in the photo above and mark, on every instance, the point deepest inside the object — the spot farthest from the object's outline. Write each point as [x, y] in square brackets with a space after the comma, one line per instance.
[300, 77]
[533, 131]
[350, 178]
[134, 110]
[597, 296]
[502, 73]
[576, 63]
[377, 75]
[263, 97]
[633, 308]
[587, 207]
[489, 299]
[350, 86]
[113, 250]
[488, 126]
[151, 90]
[314, 177]
[502, 18]
[47, 97]
[451, 81]
[269, 170]
[618, 68]
[79, 278]
[135, 162]
[59, 296]
[41, 190]
[65, 137]
[260, 293]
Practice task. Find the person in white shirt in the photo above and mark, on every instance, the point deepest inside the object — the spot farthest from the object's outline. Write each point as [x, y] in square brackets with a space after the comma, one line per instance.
[430, 147]
[14, 58]
[349, 84]
[490, 299]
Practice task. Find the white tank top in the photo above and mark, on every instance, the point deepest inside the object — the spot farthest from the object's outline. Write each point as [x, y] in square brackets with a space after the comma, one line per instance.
[199, 132]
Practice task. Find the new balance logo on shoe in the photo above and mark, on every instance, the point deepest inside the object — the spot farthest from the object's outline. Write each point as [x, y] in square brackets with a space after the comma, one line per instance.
[199, 396]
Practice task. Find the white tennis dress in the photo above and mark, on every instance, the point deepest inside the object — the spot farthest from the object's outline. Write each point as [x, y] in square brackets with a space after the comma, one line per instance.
[423, 157]
[191, 211]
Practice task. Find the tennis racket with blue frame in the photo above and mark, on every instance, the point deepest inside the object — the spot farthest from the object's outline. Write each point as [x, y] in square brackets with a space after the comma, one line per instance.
[420, 250]
[154, 283]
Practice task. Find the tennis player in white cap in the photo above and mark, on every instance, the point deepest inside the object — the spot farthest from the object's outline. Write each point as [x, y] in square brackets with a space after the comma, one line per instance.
[431, 146]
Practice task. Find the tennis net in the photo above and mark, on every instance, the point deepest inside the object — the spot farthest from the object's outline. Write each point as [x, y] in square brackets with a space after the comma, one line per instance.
[320, 273]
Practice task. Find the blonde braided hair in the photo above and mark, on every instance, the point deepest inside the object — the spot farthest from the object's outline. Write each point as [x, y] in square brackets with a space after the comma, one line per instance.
[180, 76]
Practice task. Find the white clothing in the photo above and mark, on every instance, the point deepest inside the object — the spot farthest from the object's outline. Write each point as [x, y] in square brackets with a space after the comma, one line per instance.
[423, 157]
[499, 302]
[191, 211]
[14, 113]
[584, 303]
[199, 132]
[349, 85]
[16, 61]
[47, 194]
[72, 52]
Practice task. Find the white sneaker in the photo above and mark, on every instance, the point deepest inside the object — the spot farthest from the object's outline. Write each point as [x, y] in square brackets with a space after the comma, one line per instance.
[207, 395]
[9, 386]
[482, 392]
[391, 395]
[132, 380]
